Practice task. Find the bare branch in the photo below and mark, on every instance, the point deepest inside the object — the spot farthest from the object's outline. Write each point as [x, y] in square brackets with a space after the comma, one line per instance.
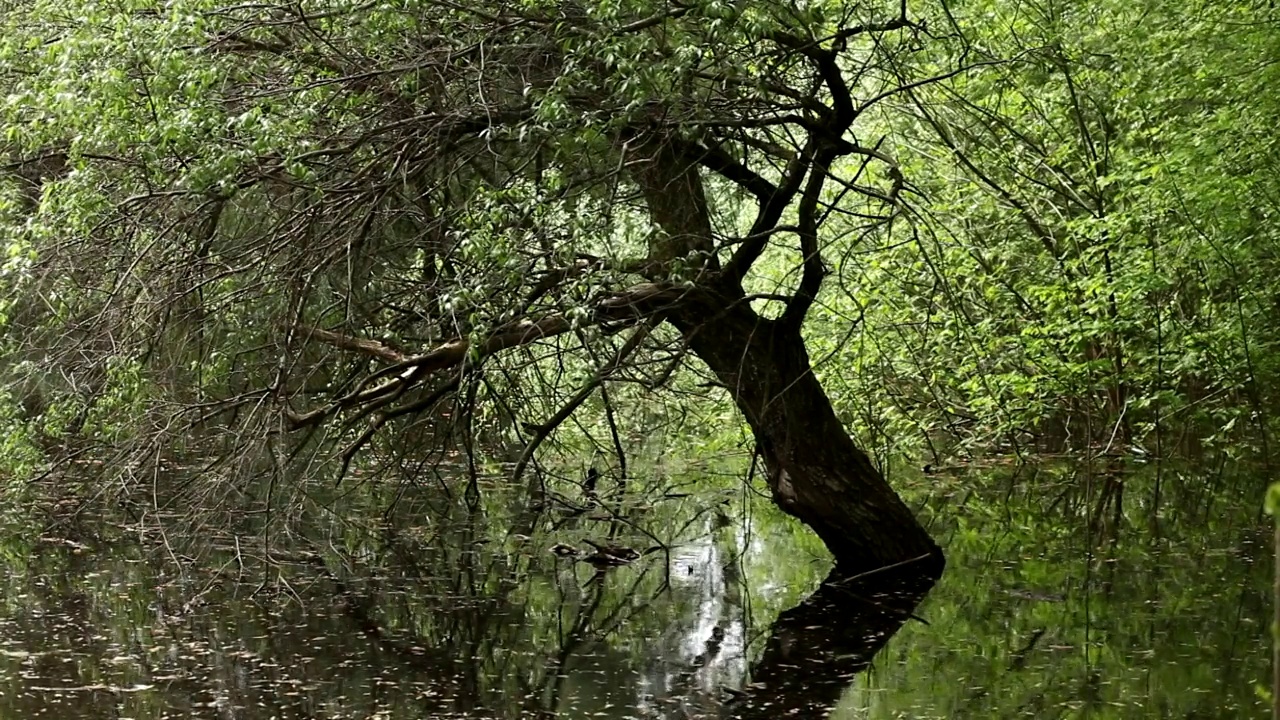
[543, 431]
[364, 346]
[769, 214]
[814, 271]
[637, 303]
[722, 164]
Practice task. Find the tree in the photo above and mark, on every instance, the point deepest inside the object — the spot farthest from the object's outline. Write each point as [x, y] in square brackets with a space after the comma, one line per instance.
[1094, 267]
[234, 220]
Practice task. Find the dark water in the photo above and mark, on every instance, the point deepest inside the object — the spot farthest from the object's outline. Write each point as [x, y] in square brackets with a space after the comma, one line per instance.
[1054, 605]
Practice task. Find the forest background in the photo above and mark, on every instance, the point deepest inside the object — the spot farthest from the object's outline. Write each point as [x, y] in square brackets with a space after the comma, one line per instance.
[270, 270]
[1058, 236]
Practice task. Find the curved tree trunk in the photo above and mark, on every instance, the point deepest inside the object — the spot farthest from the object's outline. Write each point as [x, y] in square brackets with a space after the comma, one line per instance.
[814, 469]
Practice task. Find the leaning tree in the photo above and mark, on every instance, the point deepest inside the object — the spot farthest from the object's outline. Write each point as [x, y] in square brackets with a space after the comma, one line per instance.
[316, 222]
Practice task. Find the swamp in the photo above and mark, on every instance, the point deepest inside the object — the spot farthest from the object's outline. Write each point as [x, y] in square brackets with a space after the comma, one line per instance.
[1038, 615]
[626, 359]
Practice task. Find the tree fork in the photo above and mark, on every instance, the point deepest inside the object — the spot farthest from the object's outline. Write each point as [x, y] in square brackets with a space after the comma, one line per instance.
[815, 471]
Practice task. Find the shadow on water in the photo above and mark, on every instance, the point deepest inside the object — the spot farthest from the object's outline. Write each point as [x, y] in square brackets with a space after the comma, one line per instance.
[1043, 613]
[816, 649]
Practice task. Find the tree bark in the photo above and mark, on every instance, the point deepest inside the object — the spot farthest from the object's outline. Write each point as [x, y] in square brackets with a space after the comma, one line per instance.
[814, 469]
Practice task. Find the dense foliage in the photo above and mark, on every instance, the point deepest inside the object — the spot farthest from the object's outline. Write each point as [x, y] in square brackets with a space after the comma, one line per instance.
[1095, 253]
[1054, 226]
[417, 290]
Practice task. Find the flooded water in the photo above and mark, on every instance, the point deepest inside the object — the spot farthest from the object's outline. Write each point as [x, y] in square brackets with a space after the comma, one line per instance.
[1054, 605]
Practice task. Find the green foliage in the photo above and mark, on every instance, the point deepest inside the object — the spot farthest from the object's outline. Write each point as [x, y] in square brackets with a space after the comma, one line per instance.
[1084, 256]
[1092, 257]
[1272, 503]
[217, 219]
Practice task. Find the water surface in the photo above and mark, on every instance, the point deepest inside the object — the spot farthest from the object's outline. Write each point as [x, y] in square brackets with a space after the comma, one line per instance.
[1054, 605]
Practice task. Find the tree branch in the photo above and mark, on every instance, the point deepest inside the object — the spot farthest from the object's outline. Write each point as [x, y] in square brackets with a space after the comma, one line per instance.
[814, 271]
[543, 431]
[769, 214]
[720, 163]
[373, 348]
[637, 303]
[381, 419]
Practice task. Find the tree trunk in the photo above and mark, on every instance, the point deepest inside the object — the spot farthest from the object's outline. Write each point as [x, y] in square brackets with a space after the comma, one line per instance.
[814, 469]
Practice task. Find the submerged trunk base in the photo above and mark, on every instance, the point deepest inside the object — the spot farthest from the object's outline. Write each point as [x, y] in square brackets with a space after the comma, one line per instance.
[814, 469]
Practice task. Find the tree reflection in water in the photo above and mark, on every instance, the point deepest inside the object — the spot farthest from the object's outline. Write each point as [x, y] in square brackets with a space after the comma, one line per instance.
[816, 648]
[461, 614]
[100, 632]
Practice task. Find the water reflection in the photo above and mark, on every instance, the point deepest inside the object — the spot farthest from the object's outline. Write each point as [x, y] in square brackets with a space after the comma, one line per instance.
[448, 620]
[816, 649]
[101, 634]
